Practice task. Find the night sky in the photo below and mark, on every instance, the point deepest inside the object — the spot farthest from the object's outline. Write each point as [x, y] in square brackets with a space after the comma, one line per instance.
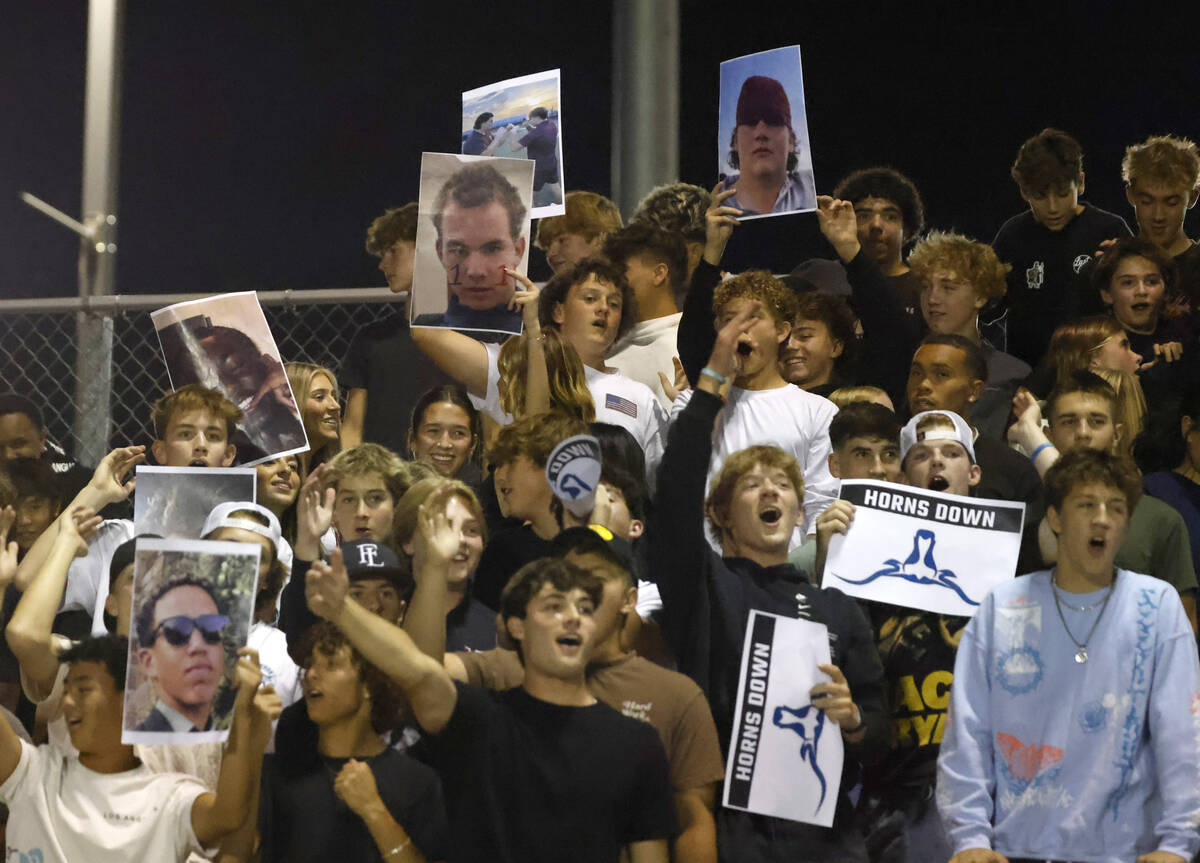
[259, 140]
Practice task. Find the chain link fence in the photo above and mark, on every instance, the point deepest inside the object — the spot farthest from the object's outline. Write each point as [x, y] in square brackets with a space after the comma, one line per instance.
[40, 353]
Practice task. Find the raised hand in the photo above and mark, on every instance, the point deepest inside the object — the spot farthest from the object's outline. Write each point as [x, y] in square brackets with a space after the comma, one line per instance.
[602, 506]
[110, 482]
[839, 225]
[438, 535]
[1177, 307]
[836, 518]
[265, 708]
[78, 527]
[724, 359]
[1027, 430]
[526, 299]
[276, 385]
[680, 382]
[719, 222]
[314, 507]
[326, 586]
[1167, 352]
[247, 676]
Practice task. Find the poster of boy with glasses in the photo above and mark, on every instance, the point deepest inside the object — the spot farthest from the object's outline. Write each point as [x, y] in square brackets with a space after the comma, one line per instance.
[192, 604]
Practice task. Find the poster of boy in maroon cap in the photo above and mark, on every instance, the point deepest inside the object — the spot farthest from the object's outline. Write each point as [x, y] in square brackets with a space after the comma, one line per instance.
[762, 137]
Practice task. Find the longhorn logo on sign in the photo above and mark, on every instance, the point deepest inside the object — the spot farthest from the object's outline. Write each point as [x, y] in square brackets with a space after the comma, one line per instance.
[807, 723]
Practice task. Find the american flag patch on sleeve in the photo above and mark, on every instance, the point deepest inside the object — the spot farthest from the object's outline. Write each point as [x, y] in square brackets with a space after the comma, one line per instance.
[617, 403]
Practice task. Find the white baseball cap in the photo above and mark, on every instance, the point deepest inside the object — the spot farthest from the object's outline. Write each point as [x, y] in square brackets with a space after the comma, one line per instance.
[222, 516]
[962, 433]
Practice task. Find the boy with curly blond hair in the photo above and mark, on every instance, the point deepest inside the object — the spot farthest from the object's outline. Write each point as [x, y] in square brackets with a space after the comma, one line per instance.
[760, 406]
[959, 278]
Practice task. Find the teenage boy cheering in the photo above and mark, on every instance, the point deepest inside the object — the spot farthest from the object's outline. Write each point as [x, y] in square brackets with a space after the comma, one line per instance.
[917, 649]
[1073, 715]
[193, 427]
[542, 772]
[356, 494]
[103, 804]
[760, 406]
[351, 797]
[617, 676]
[1082, 415]
[754, 506]
[890, 216]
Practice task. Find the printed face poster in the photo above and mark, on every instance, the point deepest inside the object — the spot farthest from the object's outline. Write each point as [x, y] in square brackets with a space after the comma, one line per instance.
[923, 549]
[192, 605]
[224, 343]
[785, 756]
[473, 222]
[762, 135]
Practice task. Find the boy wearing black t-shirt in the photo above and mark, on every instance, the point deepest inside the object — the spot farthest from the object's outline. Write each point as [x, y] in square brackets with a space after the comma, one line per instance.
[352, 797]
[1048, 245]
[543, 772]
[380, 400]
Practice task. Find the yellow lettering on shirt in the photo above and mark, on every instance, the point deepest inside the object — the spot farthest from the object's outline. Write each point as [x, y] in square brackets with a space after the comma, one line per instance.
[919, 712]
[935, 689]
[908, 694]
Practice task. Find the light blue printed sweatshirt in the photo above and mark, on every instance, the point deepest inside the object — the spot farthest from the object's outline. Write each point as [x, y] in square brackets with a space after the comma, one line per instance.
[1048, 758]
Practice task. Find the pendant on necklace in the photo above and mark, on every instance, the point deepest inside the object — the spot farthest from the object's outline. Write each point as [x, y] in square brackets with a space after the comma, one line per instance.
[1081, 655]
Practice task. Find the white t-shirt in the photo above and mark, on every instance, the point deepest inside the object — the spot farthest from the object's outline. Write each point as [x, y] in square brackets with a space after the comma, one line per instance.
[647, 349]
[87, 577]
[201, 761]
[62, 812]
[623, 402]
[278, 669]
[788, 417]
[619, 401]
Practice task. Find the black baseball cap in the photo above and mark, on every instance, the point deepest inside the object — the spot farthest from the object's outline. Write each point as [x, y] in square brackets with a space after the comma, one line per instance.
[366, 558]
[596, 540]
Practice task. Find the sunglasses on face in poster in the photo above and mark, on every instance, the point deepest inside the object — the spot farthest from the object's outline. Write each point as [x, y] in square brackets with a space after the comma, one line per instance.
[178, 630]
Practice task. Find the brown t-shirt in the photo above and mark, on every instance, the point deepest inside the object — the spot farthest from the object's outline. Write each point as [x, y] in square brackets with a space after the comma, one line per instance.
[667, 700]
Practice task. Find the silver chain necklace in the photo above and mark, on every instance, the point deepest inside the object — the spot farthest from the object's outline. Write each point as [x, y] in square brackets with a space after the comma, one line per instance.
[1081, 654]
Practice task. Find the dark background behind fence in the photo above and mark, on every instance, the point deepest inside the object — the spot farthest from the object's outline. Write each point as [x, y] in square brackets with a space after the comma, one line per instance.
[259, 139]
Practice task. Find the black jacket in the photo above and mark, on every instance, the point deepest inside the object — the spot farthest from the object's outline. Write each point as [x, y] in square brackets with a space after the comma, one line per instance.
[706, 602]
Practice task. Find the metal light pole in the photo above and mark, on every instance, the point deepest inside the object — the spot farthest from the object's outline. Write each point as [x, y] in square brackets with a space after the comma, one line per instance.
[98, 229]
[645, 126]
